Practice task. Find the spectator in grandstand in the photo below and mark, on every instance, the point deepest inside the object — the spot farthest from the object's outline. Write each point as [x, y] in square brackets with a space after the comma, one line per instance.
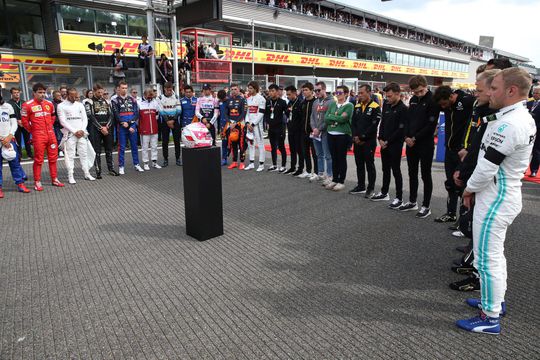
[72, 116]
[294, 127]
[391, 137]
[534, 109]
[256, 104]
[21, 133]
[170, 112]
[274, 114]
[145, 53]
[148, 128]
[365, 119]
[319, 135]
[118, 63]
[307, 144]
[338, 125]
[165, 70]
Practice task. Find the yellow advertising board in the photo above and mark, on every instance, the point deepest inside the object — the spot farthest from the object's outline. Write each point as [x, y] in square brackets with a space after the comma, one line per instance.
[35, 64]
[78, 44]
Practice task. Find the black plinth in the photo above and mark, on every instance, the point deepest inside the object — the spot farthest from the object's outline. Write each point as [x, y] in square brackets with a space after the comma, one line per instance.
[202, 192]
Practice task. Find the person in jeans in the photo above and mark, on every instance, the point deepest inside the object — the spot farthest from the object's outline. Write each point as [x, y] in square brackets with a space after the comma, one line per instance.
[319, 134]
[391, 139]
[274, 117]
[366, 118]
[338, 126]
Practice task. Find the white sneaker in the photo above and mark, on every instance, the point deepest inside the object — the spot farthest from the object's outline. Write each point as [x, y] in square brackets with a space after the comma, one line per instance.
[155, 165]
[146, 167]
[458, 234]
[71, 179]
[139, 168]
[330, 186]
[327, 182]
[282, 169]
[304, 175]
[313, 177]
[121, 170]
[249, 167]
[89, 177]
[260, 168]
[339, 187]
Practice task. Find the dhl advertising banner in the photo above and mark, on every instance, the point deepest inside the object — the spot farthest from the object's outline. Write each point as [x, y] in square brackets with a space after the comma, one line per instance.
[34, 64]
[78, 44]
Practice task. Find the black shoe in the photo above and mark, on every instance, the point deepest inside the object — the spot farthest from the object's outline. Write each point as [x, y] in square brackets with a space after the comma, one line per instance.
[464, 249]
[408, 206]
[454, 226]
[423, 213]
[357, 190]
[297, 172]
[463, 269]
[165, 163]
[98, 176]
[290, 171]
[369, 194]
[446, 218]
[113, 173]
[380, 197]
[272, 168]
[178, 162]
[472, 283]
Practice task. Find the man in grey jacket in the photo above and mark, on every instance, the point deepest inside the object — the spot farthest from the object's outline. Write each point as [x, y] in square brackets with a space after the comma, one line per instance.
[320, 135]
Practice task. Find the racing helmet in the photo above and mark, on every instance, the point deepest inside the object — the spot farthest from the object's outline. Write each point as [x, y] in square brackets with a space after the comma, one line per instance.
[234, 135]
[8, 154]
[196, 135]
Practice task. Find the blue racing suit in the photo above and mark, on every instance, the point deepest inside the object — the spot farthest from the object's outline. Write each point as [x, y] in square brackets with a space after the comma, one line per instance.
[126, 110]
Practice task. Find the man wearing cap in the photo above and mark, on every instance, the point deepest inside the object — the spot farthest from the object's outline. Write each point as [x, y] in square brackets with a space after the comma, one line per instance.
[207, 111]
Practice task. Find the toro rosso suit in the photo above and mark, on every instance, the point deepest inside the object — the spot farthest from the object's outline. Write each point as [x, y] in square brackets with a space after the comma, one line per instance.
[38, 118]
[126, 110]
[504, 156]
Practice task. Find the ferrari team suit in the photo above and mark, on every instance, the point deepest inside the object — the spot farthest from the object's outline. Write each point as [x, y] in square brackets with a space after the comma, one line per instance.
[392, 131]
[21, 133]
[170, 109]
[72, 116]
[504, 156]
[308, 149]
[207, 112]
[294, 127]
[273, 116]
[126, 111]
[38, 118]
[422, 119]
[235, 113]
[9, 126]
[321, 147]
[100, 116]
[365, 119]
[256, 105]
[456, 120]
[148, 128]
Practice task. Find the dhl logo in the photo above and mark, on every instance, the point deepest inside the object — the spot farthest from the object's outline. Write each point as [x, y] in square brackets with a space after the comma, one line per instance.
[411, 70]
[395, 68]
[33, 65]
[241, 55]
[337, 63]
[423, 71]
[277, 58]
[360, 65]
[110, 46]
[381, 67]
[310, 60]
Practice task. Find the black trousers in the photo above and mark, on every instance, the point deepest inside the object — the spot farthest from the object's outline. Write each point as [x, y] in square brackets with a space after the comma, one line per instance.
[364, 157]
[295, 147]
[339, 145]
[165, 133]
[277, 141]
[420, 155]
[308, 150]
[100, 142]
[22, 132]
[451, 162]
[535, 161]
[391, 163]
[238, 146]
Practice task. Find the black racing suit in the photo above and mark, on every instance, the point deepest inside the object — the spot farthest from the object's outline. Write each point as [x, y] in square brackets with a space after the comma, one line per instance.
[100, 116]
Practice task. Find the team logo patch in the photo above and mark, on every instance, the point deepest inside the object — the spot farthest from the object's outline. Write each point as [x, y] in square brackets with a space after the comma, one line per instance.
[53, 146]
[502, 127]
[36, 108]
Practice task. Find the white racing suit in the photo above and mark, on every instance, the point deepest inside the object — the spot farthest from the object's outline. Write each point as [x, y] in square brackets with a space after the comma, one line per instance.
[504, 156]
[256, 107]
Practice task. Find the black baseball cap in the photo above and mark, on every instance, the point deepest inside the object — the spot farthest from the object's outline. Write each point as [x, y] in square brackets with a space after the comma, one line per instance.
[207, 86]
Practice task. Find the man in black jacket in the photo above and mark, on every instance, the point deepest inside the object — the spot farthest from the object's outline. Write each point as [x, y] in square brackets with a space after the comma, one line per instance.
[274, 112]
[294, 126]
[308, 149]
[534, 109]
[391, 137]
[422, 118]
[457, 107]
[365, 119]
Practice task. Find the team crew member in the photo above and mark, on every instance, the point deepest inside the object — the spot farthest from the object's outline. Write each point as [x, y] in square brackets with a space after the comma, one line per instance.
[308, 149]
[366, 118]
[422, 116]
[100, 119]
[319, 134]
[495, 187]
[148, 128]
[294, 127]
[207, 111]
[38, 116]
[534, 109]
[21, 133]
[391, 137]
[457, 107]
[274, 114]
[126, 115]
[8, 146]
[222, 103]
[170, 112]
[72, 116]
[234, 112]
[338, 124]
[254, 123]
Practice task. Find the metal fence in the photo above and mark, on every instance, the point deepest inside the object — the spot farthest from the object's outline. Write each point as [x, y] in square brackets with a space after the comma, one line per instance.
[331, 83]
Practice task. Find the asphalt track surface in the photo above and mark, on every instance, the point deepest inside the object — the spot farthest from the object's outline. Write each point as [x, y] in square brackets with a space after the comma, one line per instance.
[104, 270]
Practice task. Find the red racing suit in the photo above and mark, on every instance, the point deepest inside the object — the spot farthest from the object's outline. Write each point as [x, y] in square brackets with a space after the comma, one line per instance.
[38, 118]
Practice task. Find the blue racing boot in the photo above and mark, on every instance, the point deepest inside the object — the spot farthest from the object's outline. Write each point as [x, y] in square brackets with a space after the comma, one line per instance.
[481, 324]
[477, 304]
[223, 162]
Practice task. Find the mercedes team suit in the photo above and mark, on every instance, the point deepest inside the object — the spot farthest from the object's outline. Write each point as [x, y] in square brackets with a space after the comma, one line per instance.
[207, 112]
[9, 126]
[504, 156]
[170, 108]
[38, 118]
[126, 111]
[256, 105]
[100, 116]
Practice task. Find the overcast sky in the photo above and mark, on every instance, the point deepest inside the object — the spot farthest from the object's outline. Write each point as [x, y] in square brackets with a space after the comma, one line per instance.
[513, 23]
